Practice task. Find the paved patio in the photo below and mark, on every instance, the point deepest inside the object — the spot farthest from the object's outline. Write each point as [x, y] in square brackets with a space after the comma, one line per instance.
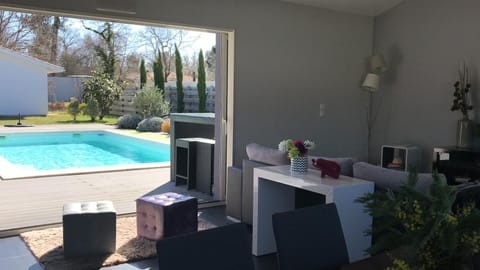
[47, 128]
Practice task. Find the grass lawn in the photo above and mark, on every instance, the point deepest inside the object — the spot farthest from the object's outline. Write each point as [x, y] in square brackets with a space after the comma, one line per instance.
[55, 118]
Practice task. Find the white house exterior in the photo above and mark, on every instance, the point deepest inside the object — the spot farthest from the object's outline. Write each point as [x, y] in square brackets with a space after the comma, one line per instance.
[24, 84]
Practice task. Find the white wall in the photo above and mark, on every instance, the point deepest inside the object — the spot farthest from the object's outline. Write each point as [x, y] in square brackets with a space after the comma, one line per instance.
[24, 88]
[288, 60]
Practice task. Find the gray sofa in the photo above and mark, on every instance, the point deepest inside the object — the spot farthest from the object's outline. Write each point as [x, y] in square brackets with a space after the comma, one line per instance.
[240, 180]
[391, 179]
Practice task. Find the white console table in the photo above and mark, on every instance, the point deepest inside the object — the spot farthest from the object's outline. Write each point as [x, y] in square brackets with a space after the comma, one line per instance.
[274, 192]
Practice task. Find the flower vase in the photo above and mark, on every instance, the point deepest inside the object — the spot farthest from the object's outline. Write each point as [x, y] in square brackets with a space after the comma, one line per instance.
[465, 133]
[299, 165]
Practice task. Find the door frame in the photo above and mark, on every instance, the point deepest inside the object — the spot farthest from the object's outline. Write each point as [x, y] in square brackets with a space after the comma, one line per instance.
[224, 114]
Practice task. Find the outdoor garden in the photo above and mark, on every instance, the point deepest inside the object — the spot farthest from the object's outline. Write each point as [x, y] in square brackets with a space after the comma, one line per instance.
[106, 87]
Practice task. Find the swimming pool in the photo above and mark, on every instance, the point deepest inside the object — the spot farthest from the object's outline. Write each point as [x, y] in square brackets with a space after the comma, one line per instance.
[54, 153]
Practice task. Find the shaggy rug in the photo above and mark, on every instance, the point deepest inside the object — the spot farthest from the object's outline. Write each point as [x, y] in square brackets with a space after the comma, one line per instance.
[46, 246]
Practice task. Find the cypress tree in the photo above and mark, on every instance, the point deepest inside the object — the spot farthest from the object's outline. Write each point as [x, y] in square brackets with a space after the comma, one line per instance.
[179, 73]
[158, 73]
[201, 84]
[143, 74]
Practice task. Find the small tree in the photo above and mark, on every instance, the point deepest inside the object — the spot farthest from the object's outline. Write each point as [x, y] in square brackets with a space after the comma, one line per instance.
[92, 109]
[179, 72]
[102, 89]
[74, 108]
[150, 102]
[143, 74]
[106, 53]
[158, 73]
[201, 84]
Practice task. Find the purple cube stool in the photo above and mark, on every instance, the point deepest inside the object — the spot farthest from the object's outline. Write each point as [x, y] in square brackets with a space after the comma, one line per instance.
[166, 215]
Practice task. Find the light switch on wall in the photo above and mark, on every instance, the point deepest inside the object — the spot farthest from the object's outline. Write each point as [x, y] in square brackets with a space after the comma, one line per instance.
[323, 109]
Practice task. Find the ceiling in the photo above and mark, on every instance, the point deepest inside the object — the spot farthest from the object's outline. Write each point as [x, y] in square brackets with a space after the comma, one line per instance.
[362, 7]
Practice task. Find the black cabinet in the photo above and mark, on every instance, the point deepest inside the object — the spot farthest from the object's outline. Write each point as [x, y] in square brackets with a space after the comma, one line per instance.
[457, 164]
[194, 163]
[204, 170]
[185, 160]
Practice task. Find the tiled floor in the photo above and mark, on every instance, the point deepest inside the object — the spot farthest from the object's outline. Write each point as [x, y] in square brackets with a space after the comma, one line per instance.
[14, 255]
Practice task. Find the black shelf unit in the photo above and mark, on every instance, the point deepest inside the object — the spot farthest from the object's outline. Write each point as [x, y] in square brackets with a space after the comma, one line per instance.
[185, 160]
[204, 171]
[457, 164]
[194, 163]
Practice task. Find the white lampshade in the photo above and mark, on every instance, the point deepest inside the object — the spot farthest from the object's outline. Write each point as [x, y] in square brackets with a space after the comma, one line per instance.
[377, 63]
[371, 83]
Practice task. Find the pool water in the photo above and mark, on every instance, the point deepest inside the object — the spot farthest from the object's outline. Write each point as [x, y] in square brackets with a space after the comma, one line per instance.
[68, 150]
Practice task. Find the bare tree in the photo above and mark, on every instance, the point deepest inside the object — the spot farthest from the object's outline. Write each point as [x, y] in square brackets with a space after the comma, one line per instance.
[14, 30]
[106, 50]
[164, 41]
[113, 46]
[76, 52]
[211, 63]
[57, 23]
[190, 65]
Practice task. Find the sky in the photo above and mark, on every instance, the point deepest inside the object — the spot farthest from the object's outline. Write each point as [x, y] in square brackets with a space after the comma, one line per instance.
[203, 40]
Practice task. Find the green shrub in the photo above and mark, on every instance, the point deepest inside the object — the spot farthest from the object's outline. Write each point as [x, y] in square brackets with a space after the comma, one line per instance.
[129, 121]
[150, 102]
[82, 107]
[104, 90]
[143, 74]
[424, 230]
[91, 109]
[158, 72]
[151, 124]
[201, 84]
[74, 108]
[179, 73]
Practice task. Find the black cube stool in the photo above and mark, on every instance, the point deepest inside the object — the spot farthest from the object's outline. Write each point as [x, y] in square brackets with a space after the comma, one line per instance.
[89, 228]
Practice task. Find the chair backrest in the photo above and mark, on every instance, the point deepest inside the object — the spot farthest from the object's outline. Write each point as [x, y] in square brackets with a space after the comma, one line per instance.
[310, 238]
[221, 248]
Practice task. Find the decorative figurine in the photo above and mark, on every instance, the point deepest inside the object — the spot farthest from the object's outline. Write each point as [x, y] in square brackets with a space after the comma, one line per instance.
[329, 168]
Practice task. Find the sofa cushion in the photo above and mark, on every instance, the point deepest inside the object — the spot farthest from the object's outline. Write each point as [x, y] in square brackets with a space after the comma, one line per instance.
[390, 179]
[346, 164]
[266, 155]
[468, 193]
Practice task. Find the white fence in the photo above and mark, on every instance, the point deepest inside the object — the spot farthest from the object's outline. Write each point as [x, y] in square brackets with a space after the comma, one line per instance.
[190, 99]
[124, 105]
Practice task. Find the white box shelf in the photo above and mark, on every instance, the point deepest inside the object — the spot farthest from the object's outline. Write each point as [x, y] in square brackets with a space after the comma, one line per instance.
[400, 157]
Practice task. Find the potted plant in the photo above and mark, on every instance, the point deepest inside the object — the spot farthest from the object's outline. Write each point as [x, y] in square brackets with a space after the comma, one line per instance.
[424, 230]
[461, 102]
[297, 152]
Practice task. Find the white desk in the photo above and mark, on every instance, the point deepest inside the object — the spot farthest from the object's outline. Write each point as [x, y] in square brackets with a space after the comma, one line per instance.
[274, 192]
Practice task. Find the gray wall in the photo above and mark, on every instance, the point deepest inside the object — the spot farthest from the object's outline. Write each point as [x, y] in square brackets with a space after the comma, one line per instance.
[64, 88]
[424, 42]
[288, 60]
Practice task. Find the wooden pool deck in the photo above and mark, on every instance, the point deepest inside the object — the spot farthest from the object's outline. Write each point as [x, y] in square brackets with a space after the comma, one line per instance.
[37, 202]
[26, 203]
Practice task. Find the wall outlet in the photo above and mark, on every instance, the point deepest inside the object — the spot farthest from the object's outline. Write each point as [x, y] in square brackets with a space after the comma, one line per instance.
[323, 110]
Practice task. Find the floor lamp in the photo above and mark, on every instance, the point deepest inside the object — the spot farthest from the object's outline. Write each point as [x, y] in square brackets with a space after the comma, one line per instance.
[371, 85]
